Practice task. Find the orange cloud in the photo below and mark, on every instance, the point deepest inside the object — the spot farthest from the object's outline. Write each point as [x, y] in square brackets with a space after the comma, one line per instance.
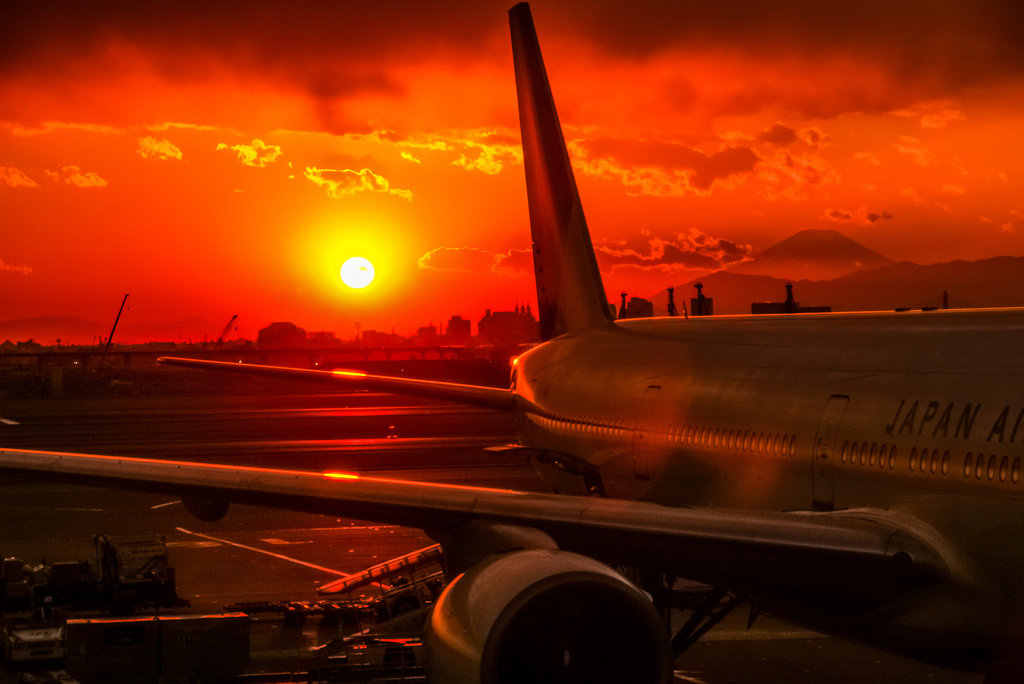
[915, 149]
[73, 175]
[476, 260]
[48, 127]
[790, 175]
[150, 148]
[258, 155]
[485, 150]
[933, 115]
[684, 251]
[168, 125]
[24, 270]
[346, 182]
[488, 151]
[16, 179]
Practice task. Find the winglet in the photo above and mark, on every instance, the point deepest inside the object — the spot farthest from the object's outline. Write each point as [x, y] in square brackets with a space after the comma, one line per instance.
[570, 295]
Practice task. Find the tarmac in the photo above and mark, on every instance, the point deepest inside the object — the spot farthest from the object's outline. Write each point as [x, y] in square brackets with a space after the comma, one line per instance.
[257, 554]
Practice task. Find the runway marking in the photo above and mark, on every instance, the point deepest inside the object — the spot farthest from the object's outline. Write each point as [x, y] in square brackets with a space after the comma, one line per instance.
[52, 509]
[284, 542]
[169, 503]
[682, 676]
[265, 552]
[193, 544]
[8, 421]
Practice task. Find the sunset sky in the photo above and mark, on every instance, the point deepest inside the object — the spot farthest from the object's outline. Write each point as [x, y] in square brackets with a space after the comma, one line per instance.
[225, 158]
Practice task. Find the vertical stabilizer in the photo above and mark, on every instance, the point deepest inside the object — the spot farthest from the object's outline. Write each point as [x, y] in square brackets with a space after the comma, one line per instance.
[570, 295]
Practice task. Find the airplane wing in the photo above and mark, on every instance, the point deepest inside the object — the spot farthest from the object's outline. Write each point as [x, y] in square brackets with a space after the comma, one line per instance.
[855, 559]
[472, 395]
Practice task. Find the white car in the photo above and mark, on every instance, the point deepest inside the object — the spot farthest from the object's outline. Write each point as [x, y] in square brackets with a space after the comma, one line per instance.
[26, 641]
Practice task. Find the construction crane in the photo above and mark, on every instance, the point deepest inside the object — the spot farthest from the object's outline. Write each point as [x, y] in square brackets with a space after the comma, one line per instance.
[111, 336]
[227, 329]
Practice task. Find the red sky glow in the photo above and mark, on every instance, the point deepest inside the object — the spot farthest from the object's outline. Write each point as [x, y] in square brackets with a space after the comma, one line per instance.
[226, 158]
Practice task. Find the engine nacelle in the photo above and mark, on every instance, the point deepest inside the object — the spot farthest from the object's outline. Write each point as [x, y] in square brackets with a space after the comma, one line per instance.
[545, 616]
[207, 510]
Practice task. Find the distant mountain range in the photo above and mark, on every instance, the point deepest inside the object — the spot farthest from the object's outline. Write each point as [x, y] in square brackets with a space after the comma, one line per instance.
[859, 280]
[825, 267]
[813, 255]
[75, 330]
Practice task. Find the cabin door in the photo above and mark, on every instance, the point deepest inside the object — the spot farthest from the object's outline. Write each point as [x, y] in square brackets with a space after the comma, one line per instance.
[643, 450]
[824, 452]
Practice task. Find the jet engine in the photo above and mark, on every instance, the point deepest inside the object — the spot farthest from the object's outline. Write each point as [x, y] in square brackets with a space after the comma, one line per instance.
[207, 510]
[545, 616]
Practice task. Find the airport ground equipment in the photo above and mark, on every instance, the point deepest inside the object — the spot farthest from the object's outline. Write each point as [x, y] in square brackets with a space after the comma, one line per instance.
[295, 612]
[386, 592]
[125, 576]
[161, 649]
[400, 586]
[366, 657]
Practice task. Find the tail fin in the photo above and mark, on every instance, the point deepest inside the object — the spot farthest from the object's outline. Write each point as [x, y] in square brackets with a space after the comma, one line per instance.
[569, 290]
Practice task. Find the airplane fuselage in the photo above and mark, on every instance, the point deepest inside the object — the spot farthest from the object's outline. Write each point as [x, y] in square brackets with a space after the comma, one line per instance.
[920, 414]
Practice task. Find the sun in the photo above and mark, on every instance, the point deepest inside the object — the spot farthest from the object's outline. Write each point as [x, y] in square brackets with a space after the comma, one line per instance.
[357, 273]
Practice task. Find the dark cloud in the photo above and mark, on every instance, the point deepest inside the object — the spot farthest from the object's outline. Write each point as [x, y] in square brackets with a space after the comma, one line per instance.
[861, 216]
[815, 138]
[779, 135]
[885, 54]
[958, 42]
[325, 49]
[704, 169]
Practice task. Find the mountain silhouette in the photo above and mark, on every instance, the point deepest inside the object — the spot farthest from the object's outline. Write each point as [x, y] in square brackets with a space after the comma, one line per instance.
[863, 280]
[812, 255]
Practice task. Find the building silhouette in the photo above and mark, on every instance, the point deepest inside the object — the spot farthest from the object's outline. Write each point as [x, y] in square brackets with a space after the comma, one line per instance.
[281, 335]
[786, 307]
[701, 305]
[509, 327]
[636, 307]
[459, 332]
[426, 336]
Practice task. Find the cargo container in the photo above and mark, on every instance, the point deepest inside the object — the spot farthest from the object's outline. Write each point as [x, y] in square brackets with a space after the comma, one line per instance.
[157, 650]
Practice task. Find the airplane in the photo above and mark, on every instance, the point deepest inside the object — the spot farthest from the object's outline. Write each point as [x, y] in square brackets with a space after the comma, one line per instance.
[858, 474]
